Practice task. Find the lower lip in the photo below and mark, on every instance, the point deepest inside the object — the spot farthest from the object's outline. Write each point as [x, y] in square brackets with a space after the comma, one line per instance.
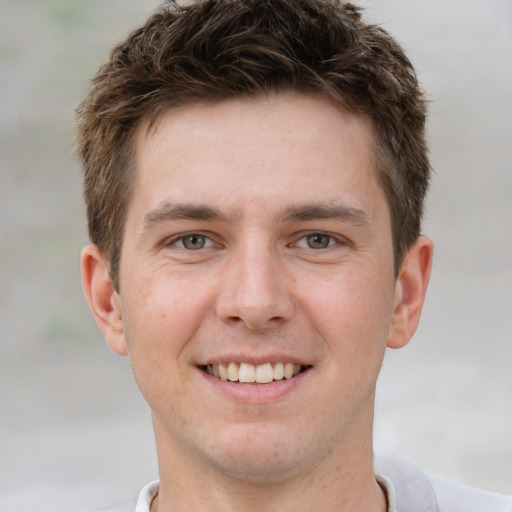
[255, 393]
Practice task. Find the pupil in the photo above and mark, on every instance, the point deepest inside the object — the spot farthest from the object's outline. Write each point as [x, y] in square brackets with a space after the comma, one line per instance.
[194, 242]
[318, 241]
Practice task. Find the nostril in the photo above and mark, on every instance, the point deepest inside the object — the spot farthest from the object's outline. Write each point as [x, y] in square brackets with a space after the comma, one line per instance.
[255, 308]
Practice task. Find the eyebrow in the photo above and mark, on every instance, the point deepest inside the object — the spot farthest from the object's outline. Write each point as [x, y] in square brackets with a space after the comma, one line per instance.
[335, 211]
[168, 211]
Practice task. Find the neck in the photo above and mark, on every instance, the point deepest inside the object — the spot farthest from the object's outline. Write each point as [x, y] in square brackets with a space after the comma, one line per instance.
[344, 481]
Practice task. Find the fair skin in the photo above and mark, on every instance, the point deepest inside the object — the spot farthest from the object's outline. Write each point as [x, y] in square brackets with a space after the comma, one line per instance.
[257, 233]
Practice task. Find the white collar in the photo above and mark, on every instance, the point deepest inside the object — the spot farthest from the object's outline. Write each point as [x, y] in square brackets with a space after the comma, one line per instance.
[150, 491]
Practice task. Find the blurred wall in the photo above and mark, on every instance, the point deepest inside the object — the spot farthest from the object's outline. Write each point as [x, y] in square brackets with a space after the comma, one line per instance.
[72, 424]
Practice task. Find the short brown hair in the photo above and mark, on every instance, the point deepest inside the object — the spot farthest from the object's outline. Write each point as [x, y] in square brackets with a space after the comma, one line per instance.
[216, 49]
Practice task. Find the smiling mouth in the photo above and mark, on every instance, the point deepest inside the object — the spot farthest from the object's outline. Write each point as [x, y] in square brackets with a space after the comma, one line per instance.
[250, 373]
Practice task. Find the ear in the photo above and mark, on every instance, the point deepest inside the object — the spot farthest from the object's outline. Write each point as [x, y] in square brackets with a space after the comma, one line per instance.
[102, 298]
[411, 287]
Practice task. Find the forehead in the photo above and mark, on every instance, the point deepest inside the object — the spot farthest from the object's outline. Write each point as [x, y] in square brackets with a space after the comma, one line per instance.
[285, 147]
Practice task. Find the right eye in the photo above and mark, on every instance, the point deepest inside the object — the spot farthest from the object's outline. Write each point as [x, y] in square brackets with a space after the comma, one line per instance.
[316, 241]
[193, 242]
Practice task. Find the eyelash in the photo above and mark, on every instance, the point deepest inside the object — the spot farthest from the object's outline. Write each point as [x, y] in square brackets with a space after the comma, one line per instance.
[332, 241]
[183, 237]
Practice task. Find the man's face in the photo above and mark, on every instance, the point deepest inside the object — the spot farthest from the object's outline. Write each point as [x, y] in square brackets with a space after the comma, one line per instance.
[257, 235]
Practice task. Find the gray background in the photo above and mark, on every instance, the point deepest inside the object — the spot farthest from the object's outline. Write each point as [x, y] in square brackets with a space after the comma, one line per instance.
[74, 433]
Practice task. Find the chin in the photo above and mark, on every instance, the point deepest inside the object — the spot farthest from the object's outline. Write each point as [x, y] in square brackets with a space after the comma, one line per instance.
[264, 471]
[262, 456]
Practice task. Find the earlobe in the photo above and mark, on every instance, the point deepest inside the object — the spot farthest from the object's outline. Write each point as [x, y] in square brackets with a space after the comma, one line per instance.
[411, 287]
[102, 298]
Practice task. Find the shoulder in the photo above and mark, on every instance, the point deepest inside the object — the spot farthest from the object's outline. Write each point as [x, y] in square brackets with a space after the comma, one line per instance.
[418, 492]
[142, 504]
[128, 506]
[453, 497]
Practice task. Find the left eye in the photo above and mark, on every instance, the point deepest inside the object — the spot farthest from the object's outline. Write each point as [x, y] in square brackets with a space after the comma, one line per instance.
[316, 241]
[194, 242]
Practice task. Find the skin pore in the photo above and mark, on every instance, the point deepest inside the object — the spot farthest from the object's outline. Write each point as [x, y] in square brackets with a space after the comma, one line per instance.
[257, 237]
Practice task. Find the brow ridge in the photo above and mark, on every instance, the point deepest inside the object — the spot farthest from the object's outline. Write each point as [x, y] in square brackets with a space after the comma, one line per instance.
[168, 211]
[315, 211]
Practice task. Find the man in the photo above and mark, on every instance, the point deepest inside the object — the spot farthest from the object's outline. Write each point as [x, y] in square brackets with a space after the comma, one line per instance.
[255, 172]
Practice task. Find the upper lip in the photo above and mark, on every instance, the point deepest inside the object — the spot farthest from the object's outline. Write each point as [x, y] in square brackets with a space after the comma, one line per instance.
[255, 359]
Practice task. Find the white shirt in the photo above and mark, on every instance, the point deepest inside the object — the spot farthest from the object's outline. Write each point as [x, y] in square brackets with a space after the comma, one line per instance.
[150, 491]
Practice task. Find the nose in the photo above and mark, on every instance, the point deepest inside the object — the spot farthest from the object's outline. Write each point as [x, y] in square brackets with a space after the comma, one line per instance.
[255, 290]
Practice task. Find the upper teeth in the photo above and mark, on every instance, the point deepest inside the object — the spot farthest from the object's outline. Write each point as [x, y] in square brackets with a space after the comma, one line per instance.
[246, 372]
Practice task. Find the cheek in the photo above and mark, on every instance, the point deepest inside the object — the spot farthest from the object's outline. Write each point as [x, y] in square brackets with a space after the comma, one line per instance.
[160, 320]
[163, 314]
[352, 310]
